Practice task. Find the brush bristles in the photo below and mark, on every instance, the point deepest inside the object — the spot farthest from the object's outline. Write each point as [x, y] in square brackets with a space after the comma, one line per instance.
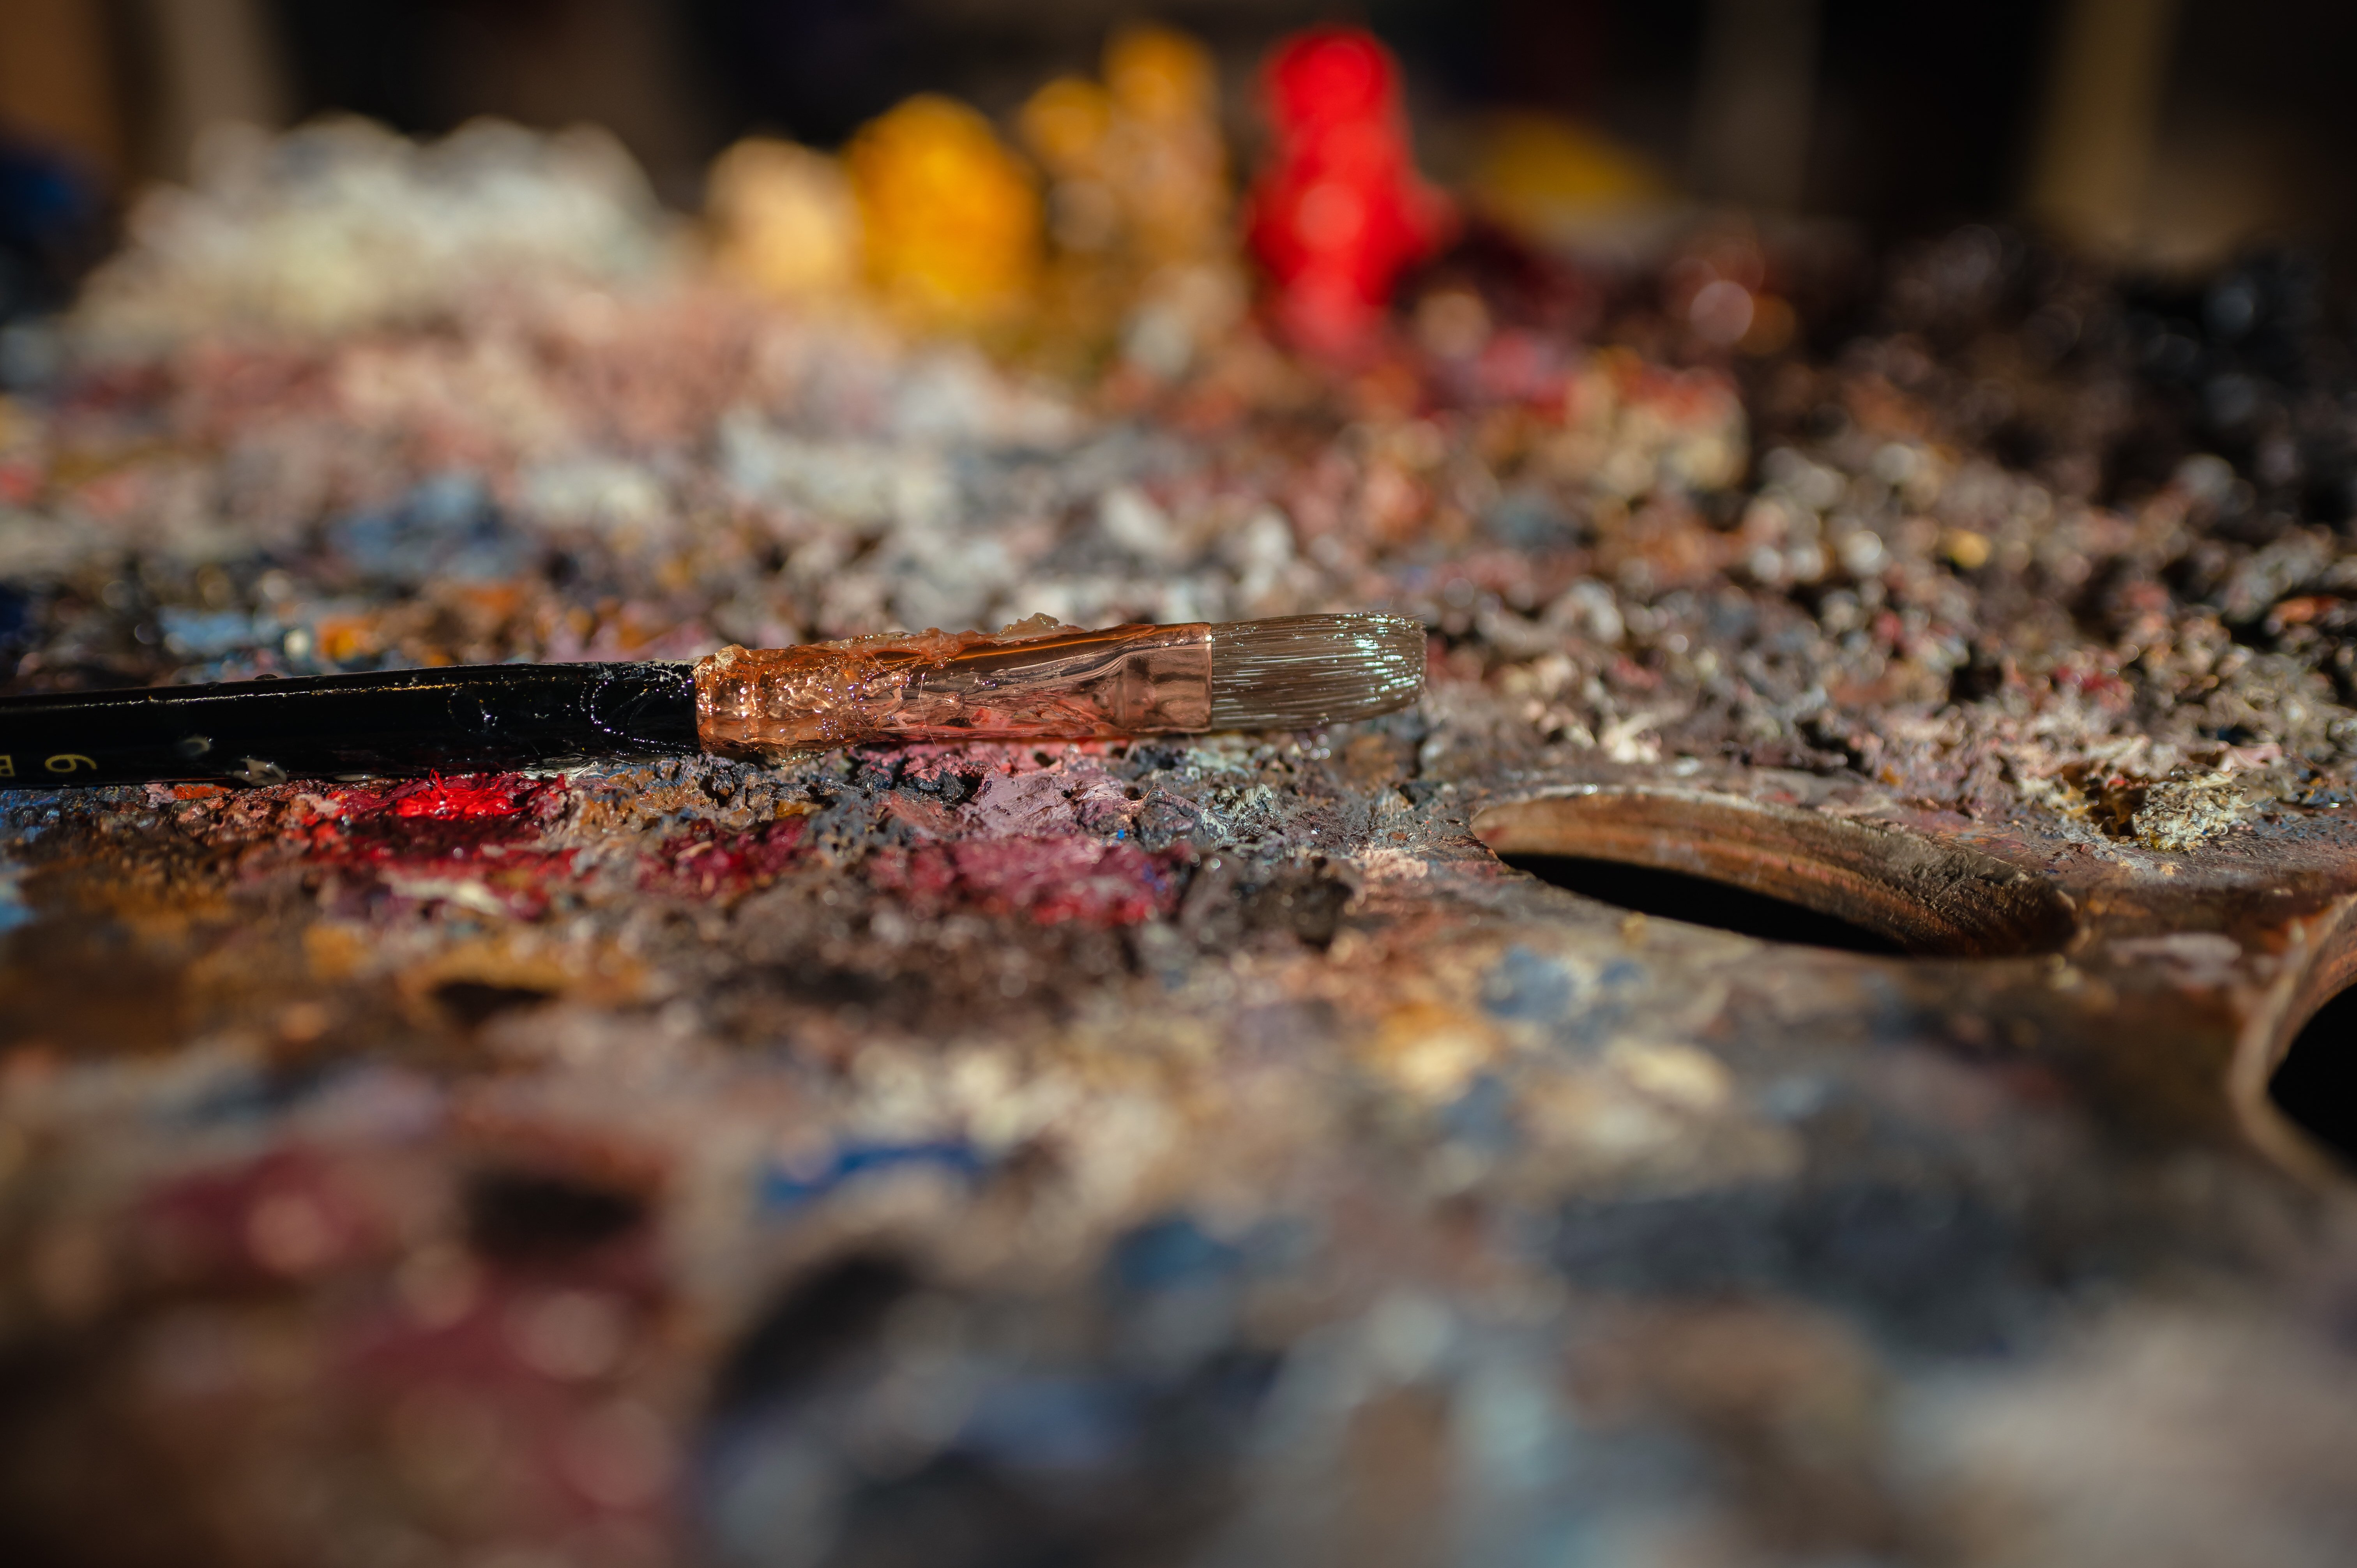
[1302, 671]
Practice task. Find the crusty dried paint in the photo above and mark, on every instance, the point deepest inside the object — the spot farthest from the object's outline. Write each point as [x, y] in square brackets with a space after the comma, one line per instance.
[1035, 680]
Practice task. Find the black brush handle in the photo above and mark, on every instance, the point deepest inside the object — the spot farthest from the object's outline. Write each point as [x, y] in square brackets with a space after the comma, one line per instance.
[461, 719]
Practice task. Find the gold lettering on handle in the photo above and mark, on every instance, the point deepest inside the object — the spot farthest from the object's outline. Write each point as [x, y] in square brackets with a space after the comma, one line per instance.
[68, 761]
[7, 766]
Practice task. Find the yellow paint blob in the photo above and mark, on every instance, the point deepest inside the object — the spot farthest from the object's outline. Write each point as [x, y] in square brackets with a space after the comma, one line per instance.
[1140, 213]
[950, 218]
[783, 220]
[1431, 1051]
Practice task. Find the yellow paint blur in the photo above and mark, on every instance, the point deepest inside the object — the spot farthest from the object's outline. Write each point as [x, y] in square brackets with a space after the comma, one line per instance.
[783, 220]
[949, 216]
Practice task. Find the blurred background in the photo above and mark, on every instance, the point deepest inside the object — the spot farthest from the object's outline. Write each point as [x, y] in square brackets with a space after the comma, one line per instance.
[2165, 133]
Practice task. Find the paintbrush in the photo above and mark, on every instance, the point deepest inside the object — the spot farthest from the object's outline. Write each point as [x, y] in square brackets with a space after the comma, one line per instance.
[1034, 681]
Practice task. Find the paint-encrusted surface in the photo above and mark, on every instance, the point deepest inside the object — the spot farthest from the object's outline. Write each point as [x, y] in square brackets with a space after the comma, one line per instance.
[1188, 1151]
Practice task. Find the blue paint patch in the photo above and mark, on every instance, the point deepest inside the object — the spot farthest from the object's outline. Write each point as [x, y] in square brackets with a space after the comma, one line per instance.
[208, 634]
[1603, 1011]
[446, 527]
[1797, 1096]
[1529, 518]
[784, 1189]
[1926, 1263]
[1525, 986]
[1047, 1422]
[1165, 1253]
[1483, 1116]
[29, 813]
[16, 630]
[14, 910]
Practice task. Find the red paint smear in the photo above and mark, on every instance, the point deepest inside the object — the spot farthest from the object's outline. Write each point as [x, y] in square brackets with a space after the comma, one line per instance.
[424, 831]
[1051, 880]
[464, 798]
[282, 1215]
[459, 798]
[117, 389]
[19, 483]
[703, 861]
[502, 805]
[1339, 210]
[473, 1356]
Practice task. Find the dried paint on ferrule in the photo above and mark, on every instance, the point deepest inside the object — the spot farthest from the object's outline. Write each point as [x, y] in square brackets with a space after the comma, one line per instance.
[1053, 683]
